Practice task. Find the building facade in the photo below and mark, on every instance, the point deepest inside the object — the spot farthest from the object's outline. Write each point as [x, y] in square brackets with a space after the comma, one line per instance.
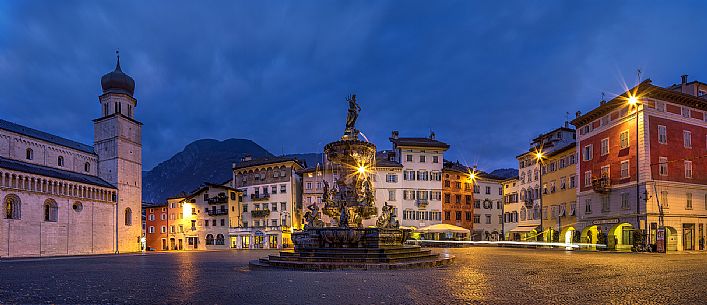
[488, 207]
[559, 194]
[422, 160]
[458, 196]
[511, 208]
[642, 167]
[272, 202]
[62, 197]
[156, 224]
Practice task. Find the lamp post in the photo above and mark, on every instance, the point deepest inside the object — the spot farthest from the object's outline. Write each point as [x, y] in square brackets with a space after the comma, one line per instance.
[633, 101]
[538, 158]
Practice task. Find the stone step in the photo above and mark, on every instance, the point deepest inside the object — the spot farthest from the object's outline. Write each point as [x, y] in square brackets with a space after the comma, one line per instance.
[383, 259]
[321, 266]
[348, 251]
[332, 253]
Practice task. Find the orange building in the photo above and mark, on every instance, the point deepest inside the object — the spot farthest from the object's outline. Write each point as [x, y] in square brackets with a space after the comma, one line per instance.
[156, 224]
[457, 196]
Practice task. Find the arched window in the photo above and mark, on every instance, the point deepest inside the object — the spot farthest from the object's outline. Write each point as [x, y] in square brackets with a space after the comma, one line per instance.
[13, 207]
[30, 154]
[51, 210]
[78, 207]
[220, 239]
[128, 217]
[60, 161]
[87, 167]
[209, 239]
[522, 213]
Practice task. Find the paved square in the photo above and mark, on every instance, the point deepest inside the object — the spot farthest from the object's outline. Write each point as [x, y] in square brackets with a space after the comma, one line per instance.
[479, 275]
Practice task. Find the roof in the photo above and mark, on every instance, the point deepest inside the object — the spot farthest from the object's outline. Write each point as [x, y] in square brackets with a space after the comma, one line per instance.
[268, 160]
[52, 172]
[387, 163]
[644, 89]
[455, 166]
[203, 187]
[153, 205]
[486, 175]
[561, 150]
[550, 133]
[33, 133]
[419, 142]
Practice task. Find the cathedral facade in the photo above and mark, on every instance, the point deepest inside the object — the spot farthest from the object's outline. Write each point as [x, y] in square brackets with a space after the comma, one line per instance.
[61, 197]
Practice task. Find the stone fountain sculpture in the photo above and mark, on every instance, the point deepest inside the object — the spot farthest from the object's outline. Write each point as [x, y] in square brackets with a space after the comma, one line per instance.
[348, 200]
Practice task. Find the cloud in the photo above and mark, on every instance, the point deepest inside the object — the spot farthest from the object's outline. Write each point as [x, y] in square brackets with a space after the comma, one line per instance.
[485, 77]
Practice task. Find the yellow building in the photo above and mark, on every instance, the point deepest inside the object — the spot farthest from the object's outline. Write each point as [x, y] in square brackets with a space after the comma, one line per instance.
[559, 199]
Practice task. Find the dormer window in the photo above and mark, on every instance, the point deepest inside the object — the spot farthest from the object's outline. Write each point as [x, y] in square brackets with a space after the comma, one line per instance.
[30, 154]
[60, 161]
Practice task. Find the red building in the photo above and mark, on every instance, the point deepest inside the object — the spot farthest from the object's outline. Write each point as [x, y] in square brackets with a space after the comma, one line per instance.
[156, 224]
[667, 128]
[457, 196]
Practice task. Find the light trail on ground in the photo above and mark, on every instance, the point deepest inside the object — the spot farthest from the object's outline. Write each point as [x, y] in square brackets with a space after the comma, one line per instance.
[510, 243]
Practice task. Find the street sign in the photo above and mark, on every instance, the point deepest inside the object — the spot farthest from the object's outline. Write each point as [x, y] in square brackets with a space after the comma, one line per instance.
[660, 240]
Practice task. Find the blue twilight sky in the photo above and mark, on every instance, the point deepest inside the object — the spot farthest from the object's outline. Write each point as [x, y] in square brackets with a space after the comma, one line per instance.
[486, 76]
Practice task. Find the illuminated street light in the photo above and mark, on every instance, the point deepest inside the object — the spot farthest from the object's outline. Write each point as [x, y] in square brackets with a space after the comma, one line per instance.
[633, 100]
[361, 169]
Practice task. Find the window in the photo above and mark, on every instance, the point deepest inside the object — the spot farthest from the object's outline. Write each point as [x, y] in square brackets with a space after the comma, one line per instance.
[685, 112]
[604, 147]
[664, 199]
[209, 239]
[467, 216]
[573, 182]
[60, 161]
[660, 106]
[624, 169]
[422, 159]
[605, 171]
[587, 206]
[51, 211]
[687, 138]
[128, 217]
[623, 139]
[245, 208]
[435, 159]
[488, 190]
[392, 178]
[587, 178]
[488, 219]
[663, 166]
[283, 206]
[477, 218]
[408, 158]
[477, 204]
[477, 189]
[29, 153]
[206, 222]
[391, 195]
[163, 229]
[605, 204]
[151, 229]
[688, 169]
[689, 201]
[283, 188]
[458, 199]
[223, 222]
[308, 186]
[662, 134]
[587, 153]
[151, 217]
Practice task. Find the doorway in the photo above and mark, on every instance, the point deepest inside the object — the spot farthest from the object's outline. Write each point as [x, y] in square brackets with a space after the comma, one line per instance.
[688, 237]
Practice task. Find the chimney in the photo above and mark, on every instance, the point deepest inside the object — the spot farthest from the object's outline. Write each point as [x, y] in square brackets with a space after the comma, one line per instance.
[395, 134]
[577, 114]
[432, 135]
[684, 78]
[567, 124]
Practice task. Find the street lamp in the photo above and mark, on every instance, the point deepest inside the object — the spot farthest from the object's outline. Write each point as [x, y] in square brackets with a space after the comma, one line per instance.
[538, 159]
[634, 102]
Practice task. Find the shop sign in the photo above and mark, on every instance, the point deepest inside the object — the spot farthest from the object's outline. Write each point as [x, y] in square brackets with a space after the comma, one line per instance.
[605, 221]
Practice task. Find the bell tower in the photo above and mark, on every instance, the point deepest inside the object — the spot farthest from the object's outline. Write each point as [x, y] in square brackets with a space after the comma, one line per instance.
[118, 144]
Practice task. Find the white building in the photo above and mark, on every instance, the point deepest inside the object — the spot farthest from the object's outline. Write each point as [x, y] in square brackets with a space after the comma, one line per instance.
[272, 202]
[488, 207]
[421, 160]
[511, 208]
[62, 197]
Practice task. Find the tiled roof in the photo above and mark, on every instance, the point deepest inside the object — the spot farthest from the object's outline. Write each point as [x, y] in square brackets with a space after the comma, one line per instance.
[31, 132]
[383, 161]
[419, 142]
[52, 172]
[267, 160]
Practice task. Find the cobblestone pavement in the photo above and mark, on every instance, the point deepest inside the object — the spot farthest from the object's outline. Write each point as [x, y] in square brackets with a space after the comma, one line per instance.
[479, 275]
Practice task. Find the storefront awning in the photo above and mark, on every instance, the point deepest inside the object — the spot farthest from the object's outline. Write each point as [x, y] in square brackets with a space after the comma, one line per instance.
[443, 228]
[524, 228]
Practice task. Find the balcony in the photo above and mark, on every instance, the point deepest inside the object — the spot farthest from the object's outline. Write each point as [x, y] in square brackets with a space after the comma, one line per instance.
[263, 196]
[260, 213]
[220, 199]
[218, 212]
[422, 203]
[529, 203]
[601, 185]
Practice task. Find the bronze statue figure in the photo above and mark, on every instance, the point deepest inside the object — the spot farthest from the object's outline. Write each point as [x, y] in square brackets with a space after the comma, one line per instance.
[352, 115]
[312, 217]
[387, 219]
